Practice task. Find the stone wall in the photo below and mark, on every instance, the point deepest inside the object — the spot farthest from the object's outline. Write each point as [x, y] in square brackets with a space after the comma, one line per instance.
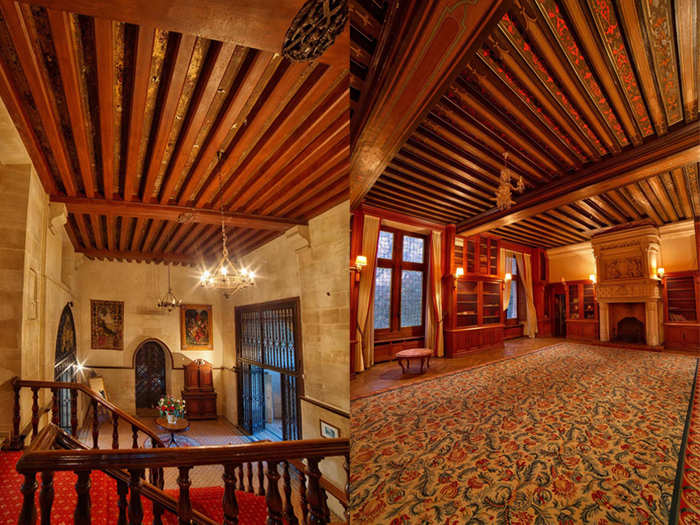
[140, 286]
[36, 282]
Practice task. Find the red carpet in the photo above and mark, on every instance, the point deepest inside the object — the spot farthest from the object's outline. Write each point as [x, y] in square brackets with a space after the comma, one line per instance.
[103, 494]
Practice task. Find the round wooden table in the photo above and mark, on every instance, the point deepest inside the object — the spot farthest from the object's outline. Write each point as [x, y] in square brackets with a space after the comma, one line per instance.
[414, 353]
[180, 425]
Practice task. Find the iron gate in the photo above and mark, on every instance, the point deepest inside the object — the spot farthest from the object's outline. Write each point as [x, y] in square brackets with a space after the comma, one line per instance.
[269, 338]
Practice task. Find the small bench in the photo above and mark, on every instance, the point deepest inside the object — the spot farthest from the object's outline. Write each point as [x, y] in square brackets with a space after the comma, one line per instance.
[414, 353]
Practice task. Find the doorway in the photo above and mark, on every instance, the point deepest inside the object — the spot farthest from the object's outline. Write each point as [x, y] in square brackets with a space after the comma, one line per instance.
[268, 356]
[560, 315]
[149, 367]
[65, 364]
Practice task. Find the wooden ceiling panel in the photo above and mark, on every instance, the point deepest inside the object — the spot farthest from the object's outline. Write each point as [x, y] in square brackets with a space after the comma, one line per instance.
[658, 198]
[562, 86]
[142, 129]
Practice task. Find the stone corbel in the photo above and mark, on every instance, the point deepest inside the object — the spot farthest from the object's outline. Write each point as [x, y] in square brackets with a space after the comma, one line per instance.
[299, 237]
[58, 216]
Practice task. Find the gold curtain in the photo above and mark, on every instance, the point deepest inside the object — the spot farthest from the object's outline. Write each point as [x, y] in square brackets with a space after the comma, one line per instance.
[507, 258]
[434, 337]
[364, 351]
[525, 272]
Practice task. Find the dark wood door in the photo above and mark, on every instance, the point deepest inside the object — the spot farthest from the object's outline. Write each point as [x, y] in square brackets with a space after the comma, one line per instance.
[65, 365]
[150, 376]
[560, 315]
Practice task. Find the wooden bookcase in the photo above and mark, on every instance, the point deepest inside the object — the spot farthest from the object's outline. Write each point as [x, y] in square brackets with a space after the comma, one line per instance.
[581, 311]
[479, 255]
[682, 310]
[476, 319]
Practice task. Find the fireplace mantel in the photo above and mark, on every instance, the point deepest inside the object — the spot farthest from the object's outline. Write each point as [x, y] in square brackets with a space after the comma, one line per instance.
[626, 262]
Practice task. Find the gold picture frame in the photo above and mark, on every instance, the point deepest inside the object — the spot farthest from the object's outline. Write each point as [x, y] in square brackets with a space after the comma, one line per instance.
[196, 327]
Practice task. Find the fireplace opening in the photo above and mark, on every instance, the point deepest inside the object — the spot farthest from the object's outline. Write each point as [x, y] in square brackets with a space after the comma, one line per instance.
[630, 330]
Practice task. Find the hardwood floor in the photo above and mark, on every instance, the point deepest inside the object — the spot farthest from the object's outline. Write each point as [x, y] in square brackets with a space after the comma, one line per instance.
[385, 376]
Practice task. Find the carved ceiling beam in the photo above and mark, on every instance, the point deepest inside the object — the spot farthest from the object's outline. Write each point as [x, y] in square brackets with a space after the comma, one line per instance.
[410, 81]
[675, 149]
[182, 214]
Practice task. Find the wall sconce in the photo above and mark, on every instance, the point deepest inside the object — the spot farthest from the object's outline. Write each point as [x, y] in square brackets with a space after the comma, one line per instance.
[459, 272]
[660, 272]
[508, 277]
[592, 278]
[360, 262]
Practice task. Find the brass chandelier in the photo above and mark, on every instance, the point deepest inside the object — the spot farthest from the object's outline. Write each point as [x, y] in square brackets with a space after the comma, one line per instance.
[225, 276]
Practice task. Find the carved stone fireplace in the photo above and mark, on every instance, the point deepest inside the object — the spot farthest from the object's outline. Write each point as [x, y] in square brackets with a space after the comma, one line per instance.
[628, 290]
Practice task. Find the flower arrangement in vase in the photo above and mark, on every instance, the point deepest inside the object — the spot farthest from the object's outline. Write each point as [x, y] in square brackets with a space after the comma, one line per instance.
[171, 408]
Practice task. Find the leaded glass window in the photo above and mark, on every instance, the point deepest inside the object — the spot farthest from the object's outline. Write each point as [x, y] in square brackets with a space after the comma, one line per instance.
[411, 298]
[413, 249]
[385, 248]
[382, 298]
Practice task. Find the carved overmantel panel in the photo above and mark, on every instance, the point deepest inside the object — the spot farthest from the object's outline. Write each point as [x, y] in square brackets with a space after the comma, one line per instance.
[626, 263]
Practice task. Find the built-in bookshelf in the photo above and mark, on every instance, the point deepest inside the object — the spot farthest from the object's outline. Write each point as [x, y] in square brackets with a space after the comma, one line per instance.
[588, 301]
[491, 306]
[680, 292]
[477, 255]
[470, 245]
[574, 312]
[582, 311]
[467, 303]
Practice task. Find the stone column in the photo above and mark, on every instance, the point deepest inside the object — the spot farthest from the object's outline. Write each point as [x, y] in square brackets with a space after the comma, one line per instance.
[604, 315]
[652, 323]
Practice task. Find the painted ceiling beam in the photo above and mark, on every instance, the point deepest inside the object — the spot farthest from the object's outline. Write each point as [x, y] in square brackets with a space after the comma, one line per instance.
[182, 214]
[677, 148]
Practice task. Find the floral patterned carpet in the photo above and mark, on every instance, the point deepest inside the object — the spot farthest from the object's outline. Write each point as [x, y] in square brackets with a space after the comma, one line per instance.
[570, 434]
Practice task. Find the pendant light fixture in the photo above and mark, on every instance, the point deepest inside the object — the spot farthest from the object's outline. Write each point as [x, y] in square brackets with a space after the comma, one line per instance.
[169, 301]
[225, 276]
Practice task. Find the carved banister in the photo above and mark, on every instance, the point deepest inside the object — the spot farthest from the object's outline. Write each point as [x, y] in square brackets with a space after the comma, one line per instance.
[326, 485]
[18, 384]
[46, 497]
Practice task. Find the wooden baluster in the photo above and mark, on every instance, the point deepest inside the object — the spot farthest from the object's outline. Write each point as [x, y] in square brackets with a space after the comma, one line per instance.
[135, 506]
[82, 507]
[261, 478]
[274, 500]
[250, 478]
[46, 497]
[156, 475]
[95, 425]
[73, 412]
[289, 515]
[184, 506]
[134, 436]
[35, 411]
[316, 495]
[16, 440]
[241, 486]
[230, 502]
[122, 490]
[28, 514]
[54, 405]
[115, 430]
[304, 499]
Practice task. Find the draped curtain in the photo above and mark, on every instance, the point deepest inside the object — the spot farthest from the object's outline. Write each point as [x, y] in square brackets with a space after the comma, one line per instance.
[525, 272]
[507, 258]
[364, 350]
[434, 338]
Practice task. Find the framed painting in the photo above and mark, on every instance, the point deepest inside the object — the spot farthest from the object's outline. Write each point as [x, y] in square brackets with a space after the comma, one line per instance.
[196, 327]
[328, 430]
[107, 325]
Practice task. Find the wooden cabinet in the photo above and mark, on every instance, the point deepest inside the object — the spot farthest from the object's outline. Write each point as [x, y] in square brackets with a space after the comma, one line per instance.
[475, 319]
[581, 311]
[199, 394]
[682, 310]
[478, 255]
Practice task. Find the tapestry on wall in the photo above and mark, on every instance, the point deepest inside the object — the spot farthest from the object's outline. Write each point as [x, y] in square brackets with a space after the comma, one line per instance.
[107, 325]
[195, 327]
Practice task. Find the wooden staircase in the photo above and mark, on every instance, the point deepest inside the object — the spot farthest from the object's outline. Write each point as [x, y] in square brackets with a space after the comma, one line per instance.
[279, 471]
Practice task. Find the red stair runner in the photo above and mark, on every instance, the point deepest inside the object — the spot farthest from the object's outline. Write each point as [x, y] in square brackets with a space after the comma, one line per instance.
[104, 498]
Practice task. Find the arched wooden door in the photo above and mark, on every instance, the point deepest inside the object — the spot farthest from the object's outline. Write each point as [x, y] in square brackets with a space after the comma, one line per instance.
[65, 364]
[149, 365]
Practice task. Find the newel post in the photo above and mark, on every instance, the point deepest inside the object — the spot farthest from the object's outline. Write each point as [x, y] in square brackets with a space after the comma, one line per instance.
[28, 514]
[15, 442]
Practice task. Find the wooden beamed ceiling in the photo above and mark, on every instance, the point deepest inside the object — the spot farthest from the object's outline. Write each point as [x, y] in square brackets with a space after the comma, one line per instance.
[135, 117]
[563, 86]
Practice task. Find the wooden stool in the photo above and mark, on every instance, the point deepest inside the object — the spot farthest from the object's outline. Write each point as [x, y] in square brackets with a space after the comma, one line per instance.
[414, 353]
